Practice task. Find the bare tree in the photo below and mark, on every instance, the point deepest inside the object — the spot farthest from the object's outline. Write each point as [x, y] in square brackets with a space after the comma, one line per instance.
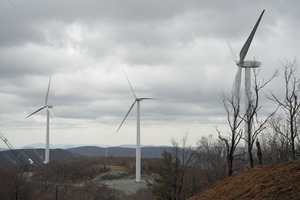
[234, 121]
[259, 154]
[254, 123]
[211, 155]
[290, 105]
[275, 145]
[13, 184]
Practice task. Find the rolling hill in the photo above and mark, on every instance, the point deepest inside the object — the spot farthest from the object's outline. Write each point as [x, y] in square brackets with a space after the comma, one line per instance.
[272, 182]
[93, 151]
[25, 156]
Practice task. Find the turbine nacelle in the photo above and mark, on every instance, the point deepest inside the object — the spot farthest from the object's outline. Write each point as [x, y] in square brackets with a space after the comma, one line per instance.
[141, 99]
[249, 64]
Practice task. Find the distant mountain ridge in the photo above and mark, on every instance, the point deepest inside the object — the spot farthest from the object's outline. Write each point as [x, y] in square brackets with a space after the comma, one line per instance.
[69, 146]
[36, 156]
[31, 156]
[94, 151]
[55, 146]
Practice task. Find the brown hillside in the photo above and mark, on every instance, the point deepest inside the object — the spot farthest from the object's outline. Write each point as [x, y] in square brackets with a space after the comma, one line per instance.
[276, 181]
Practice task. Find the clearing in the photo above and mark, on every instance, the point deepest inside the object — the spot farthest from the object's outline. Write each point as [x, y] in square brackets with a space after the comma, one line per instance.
[119, 178]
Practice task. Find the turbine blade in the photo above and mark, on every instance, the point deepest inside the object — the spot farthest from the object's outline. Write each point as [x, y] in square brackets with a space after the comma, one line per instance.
[233, 54]
[246, 46]
[126, 115]
[46, 100]
[35, 112]
[147, 98]
[129, 83]
[52, 114]
[237, 82]
[237, 89]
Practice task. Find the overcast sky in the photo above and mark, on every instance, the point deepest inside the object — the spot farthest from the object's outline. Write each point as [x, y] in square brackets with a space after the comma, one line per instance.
[172, 50]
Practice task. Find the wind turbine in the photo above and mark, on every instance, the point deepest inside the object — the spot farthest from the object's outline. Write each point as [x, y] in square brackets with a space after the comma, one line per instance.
[247, 64]
[138, 132]
[47, 128]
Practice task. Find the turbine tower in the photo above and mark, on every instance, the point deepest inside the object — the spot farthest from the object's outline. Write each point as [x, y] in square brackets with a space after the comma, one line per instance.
[47, 155]
[247, 64]
[138, 132]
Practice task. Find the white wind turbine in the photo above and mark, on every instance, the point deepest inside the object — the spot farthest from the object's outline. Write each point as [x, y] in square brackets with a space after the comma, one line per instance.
[47, 128]
[138, 132]
[247, 64]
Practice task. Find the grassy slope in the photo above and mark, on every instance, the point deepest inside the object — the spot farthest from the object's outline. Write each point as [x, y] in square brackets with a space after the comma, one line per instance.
[275, 181]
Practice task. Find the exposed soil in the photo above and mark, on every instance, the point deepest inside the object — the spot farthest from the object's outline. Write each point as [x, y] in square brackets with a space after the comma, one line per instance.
[275, 181]
[122, 180]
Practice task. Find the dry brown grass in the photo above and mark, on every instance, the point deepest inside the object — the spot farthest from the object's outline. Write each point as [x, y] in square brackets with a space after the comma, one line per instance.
[117, 168]
[275, 181]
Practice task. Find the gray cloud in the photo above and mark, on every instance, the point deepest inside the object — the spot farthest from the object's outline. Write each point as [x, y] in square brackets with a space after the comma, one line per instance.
[175, 51]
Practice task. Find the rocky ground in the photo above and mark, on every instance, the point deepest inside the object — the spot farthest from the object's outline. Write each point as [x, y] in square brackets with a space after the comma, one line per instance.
[275, 181]
[122, 180]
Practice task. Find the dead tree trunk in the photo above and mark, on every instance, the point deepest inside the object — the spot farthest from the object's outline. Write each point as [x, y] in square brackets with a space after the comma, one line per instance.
[259, 154]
